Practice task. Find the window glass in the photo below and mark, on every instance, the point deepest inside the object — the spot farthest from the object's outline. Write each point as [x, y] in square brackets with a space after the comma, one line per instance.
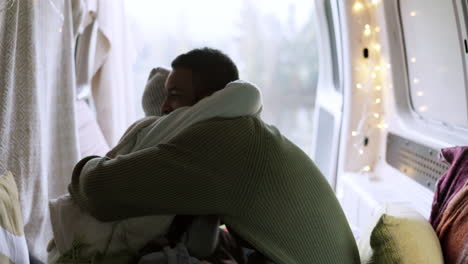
[435, 60]
[273, 44]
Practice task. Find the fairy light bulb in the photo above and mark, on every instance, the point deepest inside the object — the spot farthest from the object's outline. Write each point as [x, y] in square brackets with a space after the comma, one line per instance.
[359, 86]
[378, 87]
[354, 133]
[423, 108]
[416, 81]
[420, 93]
[367, 30]
[413, 60]
[413, 13]
[366, 168]
[373, 75]
[375, 2]
[376, 115]
[377, 47]
[382, 125]
[358, 6]
[377, 29]
[377, 68]
[361, 151]
[378, 101]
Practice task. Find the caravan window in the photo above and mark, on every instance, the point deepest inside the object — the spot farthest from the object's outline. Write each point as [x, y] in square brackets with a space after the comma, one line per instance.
[272, 42]
[435, 54]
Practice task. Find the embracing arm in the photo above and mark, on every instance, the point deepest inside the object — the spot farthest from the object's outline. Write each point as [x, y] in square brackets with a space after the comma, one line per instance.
[196, 173]
[127, 141]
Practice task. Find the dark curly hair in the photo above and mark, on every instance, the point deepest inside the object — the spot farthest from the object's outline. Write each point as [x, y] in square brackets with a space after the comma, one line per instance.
[211, 69]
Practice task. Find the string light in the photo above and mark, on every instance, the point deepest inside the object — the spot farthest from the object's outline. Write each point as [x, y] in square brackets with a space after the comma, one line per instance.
[416, 80]
[413, 60]
[377, 47]
[382, 125]
[367, 30]
[413, 13]
[423, 108]
[420, 93]
[358, 6]
[373, 71]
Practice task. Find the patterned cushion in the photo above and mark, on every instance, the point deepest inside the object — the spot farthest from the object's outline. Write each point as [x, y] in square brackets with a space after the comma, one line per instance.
[13, 248]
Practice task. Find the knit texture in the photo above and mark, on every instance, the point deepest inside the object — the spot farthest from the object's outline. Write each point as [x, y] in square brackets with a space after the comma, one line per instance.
[264, 188]
[155, 93]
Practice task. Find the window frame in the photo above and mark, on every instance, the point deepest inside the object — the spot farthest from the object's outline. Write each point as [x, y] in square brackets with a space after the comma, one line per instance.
[414, 112]
[408, 122]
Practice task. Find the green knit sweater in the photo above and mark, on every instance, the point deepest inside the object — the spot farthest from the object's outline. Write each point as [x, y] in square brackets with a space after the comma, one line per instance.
[264, 188]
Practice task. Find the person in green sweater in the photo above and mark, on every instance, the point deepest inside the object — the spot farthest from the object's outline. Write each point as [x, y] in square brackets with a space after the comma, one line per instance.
[263, 187]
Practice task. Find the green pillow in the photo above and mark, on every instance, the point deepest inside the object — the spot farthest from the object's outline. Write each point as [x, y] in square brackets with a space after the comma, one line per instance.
[402, 235]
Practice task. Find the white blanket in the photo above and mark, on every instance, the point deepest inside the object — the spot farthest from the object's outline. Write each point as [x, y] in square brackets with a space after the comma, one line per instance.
[72, 225]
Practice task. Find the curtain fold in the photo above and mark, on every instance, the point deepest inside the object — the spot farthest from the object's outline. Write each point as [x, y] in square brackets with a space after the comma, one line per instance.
[38, 133]
[112, 54]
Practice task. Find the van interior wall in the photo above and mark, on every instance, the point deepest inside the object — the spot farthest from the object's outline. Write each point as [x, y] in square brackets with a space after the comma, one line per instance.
[375, 89]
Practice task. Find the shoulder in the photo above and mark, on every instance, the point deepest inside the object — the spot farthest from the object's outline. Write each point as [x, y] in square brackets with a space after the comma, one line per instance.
[143, 122]
[239, 126]
[227, 132]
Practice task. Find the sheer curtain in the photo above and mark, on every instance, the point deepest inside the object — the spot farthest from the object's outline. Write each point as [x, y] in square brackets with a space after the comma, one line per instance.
[111, 80]
[38, 133]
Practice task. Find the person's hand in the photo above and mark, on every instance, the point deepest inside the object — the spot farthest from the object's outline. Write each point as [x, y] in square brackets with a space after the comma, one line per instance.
[51, 245]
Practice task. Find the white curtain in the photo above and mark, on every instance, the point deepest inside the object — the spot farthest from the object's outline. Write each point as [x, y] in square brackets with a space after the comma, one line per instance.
[90, 49]
[91, 139]
[113, 53]
[38, 133]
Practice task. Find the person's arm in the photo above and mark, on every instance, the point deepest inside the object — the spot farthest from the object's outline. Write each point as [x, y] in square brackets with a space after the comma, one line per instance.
[127, 141]
[196, 173]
